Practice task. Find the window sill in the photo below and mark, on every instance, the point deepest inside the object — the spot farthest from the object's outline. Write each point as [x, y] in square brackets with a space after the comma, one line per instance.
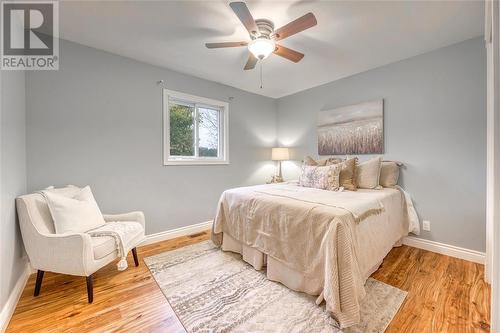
[195, 162]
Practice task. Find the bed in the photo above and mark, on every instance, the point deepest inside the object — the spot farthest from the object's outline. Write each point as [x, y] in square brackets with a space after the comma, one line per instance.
[319, 242]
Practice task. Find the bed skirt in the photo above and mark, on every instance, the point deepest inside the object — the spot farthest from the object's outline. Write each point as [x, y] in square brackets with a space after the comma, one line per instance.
[277, 271]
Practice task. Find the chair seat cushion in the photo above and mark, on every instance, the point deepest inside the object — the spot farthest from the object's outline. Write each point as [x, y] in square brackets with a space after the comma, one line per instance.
[106, 245]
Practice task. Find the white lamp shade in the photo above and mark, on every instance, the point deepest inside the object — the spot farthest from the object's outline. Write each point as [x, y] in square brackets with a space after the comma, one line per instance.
[280, 154]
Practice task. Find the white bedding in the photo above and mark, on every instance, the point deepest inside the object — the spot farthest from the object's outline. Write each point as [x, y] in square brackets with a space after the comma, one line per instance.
[376, 236]
[289, 228]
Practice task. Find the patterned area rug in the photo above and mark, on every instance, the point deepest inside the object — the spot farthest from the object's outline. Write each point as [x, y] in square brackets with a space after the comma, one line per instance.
[215, 291]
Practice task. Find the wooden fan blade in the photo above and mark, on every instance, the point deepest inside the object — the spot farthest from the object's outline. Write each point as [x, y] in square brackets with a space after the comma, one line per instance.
[300, 24]
[287, 53]
[225, 44]
[252, 61]
[241, 10]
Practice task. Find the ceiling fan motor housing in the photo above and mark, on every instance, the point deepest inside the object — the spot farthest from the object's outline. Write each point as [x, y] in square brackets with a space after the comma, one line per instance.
[266, 28]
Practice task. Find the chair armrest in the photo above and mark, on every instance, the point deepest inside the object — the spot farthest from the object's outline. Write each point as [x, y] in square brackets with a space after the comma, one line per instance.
[66, 253]
[136, 216]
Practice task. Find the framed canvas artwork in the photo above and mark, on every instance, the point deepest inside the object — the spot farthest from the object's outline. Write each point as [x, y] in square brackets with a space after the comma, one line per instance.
[352, 130]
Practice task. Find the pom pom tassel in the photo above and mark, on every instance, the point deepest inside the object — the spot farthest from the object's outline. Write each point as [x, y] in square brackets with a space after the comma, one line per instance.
[122, 264]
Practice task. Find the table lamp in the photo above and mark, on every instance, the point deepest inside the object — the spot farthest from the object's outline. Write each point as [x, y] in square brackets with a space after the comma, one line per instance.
[279, 154]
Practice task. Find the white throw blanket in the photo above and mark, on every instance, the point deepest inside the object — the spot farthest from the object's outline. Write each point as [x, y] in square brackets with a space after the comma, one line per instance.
[123, 233]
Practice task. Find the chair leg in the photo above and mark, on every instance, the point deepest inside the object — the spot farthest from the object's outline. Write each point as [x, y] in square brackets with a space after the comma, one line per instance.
[90, 288]
[38, 284]
[136, 258]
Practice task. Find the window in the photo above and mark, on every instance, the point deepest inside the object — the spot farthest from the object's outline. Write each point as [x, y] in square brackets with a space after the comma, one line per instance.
[195, 129]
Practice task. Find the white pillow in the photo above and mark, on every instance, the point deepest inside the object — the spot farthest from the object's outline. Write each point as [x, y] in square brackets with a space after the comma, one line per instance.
[368, 173]
[74, 214]
[68, 191]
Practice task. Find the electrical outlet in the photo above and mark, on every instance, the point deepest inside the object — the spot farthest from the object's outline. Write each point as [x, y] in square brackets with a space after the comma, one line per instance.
[426, 225]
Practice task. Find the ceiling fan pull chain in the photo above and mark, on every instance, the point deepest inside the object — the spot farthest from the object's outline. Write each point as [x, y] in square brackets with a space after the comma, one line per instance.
[261, 74]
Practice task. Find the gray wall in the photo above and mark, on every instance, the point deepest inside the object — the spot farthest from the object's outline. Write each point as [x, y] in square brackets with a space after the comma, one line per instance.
[435, 122]
[12, 178]
[98, 121]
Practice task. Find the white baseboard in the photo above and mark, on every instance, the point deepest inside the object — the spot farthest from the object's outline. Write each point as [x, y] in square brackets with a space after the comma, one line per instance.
[178, 232]
[449, 250]
[15, 294]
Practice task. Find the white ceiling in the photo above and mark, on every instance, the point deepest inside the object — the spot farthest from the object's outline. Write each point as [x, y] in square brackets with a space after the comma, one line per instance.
[351, 36]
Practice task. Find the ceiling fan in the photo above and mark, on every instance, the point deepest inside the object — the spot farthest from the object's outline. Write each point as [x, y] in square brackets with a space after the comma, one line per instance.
[264, 37]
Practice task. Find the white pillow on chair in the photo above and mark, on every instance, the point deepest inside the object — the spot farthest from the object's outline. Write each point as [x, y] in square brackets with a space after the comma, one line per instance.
[76, 213]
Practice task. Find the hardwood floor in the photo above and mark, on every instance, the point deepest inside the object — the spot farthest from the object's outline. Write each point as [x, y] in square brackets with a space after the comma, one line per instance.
[444, 295]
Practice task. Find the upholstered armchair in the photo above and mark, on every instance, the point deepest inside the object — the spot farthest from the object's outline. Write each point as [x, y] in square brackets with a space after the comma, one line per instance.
[74, 254]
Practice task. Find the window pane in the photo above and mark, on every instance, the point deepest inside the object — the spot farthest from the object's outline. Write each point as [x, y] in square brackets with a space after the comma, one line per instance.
[208, 132]
[181, 130]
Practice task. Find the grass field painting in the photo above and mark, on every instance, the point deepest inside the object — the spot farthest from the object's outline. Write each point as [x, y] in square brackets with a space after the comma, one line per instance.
[350, 130]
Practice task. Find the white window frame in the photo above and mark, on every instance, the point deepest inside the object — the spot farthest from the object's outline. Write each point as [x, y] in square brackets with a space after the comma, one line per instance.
[198, 102]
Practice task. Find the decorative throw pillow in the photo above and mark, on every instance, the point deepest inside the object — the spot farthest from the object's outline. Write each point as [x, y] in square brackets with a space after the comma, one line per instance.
[308, 160]
[321, 177]
[368, 173]
[347, 173]
[389, 174]
[334, 160]
[76, 213]
[321, 162]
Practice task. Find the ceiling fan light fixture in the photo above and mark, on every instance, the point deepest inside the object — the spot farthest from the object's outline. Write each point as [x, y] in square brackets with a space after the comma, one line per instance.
[261, 48]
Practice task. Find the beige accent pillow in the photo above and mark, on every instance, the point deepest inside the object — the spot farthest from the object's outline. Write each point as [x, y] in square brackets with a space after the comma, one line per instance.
[321, 177]
[389, 174]
[347, 173]
[368, 173]
[321, 162]
[308, 160]
[74, 214]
